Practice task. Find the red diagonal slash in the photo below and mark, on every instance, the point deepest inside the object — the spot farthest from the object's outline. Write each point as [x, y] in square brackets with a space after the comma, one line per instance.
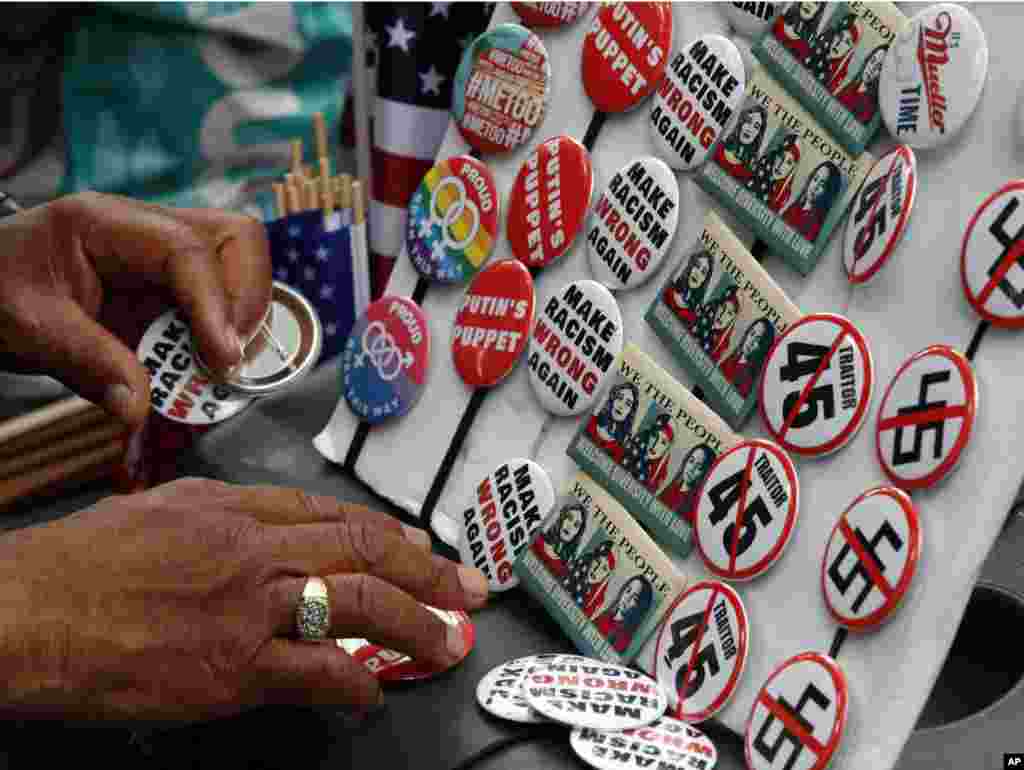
[792, 726]
[1011, 257]
[866, 559]
[810, 384]
[916, 418]
[878, 199]
[741, 512]
[696, 645]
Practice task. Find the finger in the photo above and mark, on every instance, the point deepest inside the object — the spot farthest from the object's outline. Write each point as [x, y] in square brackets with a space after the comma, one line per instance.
[69, 345]
[365, 606]
[302, 674]
[123, 237]
[287, 505]
[244, 254]
[357, 546]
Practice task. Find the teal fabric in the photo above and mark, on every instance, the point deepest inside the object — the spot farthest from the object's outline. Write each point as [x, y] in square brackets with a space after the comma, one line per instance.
[194, 103]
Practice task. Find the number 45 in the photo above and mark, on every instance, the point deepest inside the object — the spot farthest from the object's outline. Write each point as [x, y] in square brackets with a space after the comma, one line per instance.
[803, 360]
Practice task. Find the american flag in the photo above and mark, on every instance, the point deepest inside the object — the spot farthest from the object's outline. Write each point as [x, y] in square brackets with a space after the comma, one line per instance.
[415, 63]
[318, 263]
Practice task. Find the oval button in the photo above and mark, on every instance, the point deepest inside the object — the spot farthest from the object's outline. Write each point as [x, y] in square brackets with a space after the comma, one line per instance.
[549, 14]
[992, 258]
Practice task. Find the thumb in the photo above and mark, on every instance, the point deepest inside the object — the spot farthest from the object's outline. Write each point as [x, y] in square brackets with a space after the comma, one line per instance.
[74, 348]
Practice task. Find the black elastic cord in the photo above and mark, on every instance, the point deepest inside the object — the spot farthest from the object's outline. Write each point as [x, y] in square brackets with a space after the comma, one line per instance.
[476, 154]
[979, 333]
[596, 123]
[418, 293]
[443, 472]
[837, 642]
[540, 731]
[356, 447]
[759, 249]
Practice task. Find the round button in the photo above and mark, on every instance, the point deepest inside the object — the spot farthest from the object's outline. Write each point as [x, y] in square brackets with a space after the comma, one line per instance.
[702, 647]
[871, 558]
[500, 692]
[549, 201]
[668, 743]
[817, 385]
[501, 519]
[633, 223]
[391, 666]
[501, 88]
[933, 76]
[576, 342]
[385, 360]
[453, 220]
[992, 258]
[802, 707]
[747, 509]
[591, 693]
[549, 14]
[690, 111]
[926, 418]
[748, 19]
[179, 390]
[879, 214]
[492, 326]
[625, 53]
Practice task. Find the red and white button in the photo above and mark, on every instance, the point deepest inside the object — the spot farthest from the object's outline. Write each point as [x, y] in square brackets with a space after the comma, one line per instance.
[702, 647]
[992, 258]
[668, 744]
[549, 14]
[747, 508]
[798, 717]
[817, 385]
[625, 53]
[871, 558]
[493, 325]
[926, 418]
[879, 214]
[549, 201]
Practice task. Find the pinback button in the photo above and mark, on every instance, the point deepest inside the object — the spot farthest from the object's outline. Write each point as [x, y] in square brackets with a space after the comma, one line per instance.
[391, 666]
[668, 743]
[747, 509]
[804, 705]
[549, 14]
[576, 343]
[385, 360]
[992, 258]
[549, 201]
[625, 53]
[879, 214]
[585, 694]
[179, 389]
[493, 325]
[701, 650]
[748, 19]
[453, 220]
[933, 76]
[871, 558]
[502, 517]
[817, 385]
[926, 418]
[500, 692]
[633, 223]
[690, 111]
[501, 88]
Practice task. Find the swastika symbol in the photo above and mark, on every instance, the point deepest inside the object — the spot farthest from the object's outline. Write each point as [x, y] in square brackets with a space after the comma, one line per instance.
[769, 752]
[1007, 241]
[868, 548]
[901, 456]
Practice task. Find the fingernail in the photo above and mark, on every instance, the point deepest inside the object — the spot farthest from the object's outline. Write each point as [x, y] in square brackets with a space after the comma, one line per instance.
[416, 536]
[474, 584]
[456, 644]
[118, 399]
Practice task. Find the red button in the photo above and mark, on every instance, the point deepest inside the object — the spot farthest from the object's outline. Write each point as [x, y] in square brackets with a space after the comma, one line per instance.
[493, 325]
[549, 14]
[549, 201]
[625, 54]
[992, 258]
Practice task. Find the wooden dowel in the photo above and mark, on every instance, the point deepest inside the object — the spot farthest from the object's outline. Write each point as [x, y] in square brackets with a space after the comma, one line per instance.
[72, 444]
[96, 463]
[320, 134]
[280, 203]
[327, 198]
[358, 205]
[311, 199]
[291, 192]
[42, 417]
[53, 431]
[345, 191]
[296, 166]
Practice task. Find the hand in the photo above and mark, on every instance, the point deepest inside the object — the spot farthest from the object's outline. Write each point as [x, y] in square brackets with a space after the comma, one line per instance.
[178, 604]
[58, 262]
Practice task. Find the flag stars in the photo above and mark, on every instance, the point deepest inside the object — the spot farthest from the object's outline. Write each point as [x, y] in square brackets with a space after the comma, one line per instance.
[327, 292]
[398, 35]
[294, 231]
[439, 9]
[282, 274]
[331, 329]
[309, 274]
[293, 255]
[322, 253]
[430, 81]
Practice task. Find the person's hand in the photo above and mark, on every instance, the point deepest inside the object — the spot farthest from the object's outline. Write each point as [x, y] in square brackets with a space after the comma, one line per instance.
[179, 604]
[58, 262]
